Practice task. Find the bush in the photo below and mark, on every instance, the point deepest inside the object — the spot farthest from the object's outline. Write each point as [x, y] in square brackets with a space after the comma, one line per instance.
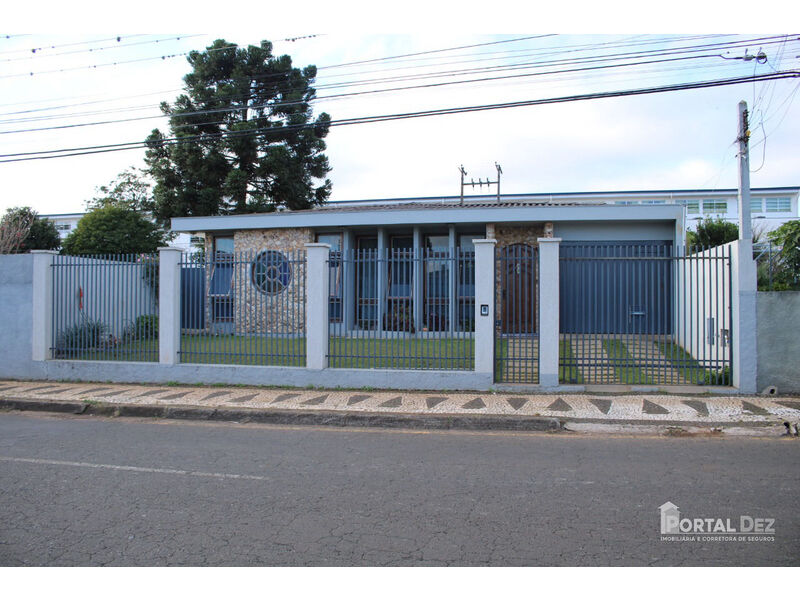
[89, 335]
[144, 328]
[712, 232]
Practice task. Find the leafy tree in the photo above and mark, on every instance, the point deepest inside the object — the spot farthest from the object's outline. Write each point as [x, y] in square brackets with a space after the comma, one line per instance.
[129, 189]
[259, 149]
[787, 236]
[34, 233]
[712, 232]
[115, 230]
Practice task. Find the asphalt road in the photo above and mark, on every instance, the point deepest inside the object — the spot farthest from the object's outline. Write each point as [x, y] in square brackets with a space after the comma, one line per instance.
[92, 491]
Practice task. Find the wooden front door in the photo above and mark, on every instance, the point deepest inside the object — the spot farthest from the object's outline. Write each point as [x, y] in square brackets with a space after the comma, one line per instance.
[518, 281]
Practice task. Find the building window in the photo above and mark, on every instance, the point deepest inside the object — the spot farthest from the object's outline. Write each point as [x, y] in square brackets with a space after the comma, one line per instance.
[465, 282]
[63, 227]
[693, 207]
[436, 292]
[367, 282]
[400, 305]
[756, 205]
[270, 272]
[715, 207]
[334, 240]
[778, 205]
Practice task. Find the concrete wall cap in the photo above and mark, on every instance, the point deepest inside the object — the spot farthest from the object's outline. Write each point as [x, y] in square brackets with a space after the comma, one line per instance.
[549, 240]
[485, 241]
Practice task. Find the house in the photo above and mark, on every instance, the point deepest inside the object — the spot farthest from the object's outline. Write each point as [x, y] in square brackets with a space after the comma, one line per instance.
[427, 293]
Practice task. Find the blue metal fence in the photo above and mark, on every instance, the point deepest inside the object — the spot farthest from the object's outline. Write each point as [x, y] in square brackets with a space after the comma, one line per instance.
[402, 309]
[105, 307]
[246, 308]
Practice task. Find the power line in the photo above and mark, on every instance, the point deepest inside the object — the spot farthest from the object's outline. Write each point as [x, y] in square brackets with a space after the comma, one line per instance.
[400, 116]
[118, 38]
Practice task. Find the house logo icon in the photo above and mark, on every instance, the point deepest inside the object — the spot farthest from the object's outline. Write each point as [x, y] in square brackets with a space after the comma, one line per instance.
[670, 518]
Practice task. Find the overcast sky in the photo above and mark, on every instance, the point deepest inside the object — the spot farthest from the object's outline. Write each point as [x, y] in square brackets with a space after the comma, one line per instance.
[674, 140]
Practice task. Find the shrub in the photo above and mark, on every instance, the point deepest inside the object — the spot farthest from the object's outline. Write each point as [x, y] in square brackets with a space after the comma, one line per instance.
[88, 335]
[144, 328]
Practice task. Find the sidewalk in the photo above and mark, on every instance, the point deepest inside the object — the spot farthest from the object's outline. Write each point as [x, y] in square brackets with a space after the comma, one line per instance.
[613, 413]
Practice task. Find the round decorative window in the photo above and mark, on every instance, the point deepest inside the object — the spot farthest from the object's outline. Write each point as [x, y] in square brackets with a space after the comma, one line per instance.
[270, 272]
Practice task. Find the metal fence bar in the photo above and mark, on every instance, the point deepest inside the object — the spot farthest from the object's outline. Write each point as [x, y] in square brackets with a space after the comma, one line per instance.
[246, 307]
[385, 333]
[105, 307]
[645, 314]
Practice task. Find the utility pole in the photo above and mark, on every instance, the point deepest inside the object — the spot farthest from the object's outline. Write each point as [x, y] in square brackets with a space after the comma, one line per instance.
[745, 222]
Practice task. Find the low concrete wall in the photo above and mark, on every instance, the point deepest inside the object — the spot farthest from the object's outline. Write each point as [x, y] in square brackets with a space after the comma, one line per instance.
[16, 325]
[141, 372]
[779, 341]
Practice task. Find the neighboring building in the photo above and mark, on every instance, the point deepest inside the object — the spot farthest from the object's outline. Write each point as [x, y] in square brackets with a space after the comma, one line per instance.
[65, 223]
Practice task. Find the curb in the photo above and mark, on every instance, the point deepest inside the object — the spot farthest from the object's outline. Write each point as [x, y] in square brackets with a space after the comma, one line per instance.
[292, 417]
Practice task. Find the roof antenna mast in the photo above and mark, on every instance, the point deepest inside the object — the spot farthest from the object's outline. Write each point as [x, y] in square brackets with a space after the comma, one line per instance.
[473, 183]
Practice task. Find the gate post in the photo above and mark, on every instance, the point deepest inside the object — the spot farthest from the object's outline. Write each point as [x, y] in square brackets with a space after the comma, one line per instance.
[317, 299]
[743, 309]
[549, 306]
[484, 306]
[42, 307]
[169, 305]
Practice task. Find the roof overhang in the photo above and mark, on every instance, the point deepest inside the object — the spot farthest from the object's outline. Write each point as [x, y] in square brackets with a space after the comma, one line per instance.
[449, 215]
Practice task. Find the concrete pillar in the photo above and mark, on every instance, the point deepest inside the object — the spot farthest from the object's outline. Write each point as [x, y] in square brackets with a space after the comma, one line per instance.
[484, 305]
[549, 304]
[169, 306]
[42, 342]
[743, 309]
[317, 296]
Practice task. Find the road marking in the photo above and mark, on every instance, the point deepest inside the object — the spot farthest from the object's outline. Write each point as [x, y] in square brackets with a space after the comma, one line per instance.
[67, 463]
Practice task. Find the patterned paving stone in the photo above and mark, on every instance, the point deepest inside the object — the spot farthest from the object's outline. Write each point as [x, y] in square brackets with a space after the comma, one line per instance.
[315, 401]
[392, 402]
[242, 398]
[114, 393]
[432, 401]
[149, 393]
[602, 404]
[95, 390]
[7, 387]
[175, 396]
[357, 398]
[516, 403]
[700, 406]
[559, 405]
[753, 409]
[42, 388]
[474, 404]
[651, 408]
[216, 395]
[794, 405]
[285, 397]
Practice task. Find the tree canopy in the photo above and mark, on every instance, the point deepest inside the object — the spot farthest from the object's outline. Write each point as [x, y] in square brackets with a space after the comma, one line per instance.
[242, 137]
[115, 230]
[129, 189]
[713, 232]
[34, 233]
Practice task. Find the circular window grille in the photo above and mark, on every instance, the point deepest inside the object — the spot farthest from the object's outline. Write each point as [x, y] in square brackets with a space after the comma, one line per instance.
[270, 272]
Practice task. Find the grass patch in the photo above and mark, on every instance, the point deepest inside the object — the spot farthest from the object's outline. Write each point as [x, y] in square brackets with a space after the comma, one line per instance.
[623, 363]
[690, 369]
[568, 371]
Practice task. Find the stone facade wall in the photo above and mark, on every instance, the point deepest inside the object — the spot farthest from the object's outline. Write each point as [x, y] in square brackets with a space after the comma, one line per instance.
[282, 312]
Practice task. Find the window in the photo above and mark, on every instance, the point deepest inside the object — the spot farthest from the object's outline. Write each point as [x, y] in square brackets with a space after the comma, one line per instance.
[367, 282]
[465, 283]
[270, 272]
[335, 286]
[778, 205]
[756, 205]
[437, 283]
[713, 207]
[693, 207]
[399, 309]
[63, 227]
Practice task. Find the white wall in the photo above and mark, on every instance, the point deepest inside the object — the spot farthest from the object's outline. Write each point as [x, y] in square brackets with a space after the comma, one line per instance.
[114, 293]
[702, 292]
